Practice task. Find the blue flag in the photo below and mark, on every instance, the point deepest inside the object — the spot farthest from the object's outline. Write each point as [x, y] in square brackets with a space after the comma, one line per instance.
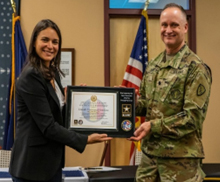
[19, 53]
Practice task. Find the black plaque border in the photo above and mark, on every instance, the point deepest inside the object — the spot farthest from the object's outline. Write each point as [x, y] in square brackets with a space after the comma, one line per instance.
[117, 133]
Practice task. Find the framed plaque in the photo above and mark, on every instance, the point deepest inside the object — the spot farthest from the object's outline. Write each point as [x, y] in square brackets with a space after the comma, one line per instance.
[107, 110]
[67, 65]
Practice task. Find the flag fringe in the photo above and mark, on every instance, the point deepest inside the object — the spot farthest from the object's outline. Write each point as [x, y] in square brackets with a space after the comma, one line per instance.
[12, 90]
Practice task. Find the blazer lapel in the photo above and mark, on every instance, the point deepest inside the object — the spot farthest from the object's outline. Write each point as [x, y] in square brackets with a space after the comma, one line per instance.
[53, 93]
[57, 78]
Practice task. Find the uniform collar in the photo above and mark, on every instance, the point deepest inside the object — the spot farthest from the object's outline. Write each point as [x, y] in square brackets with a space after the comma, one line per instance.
[175, 61]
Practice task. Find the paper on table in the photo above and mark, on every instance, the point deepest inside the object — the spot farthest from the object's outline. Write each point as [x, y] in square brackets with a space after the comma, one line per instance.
[100, 169]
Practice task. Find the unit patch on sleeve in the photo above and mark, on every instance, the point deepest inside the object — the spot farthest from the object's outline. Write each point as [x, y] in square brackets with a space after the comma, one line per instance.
[200, 90]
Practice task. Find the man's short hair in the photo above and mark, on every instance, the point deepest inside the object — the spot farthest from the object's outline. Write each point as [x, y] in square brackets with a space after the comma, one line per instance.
[174, 5]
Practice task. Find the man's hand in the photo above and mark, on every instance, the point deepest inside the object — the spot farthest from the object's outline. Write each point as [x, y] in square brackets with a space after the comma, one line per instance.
[97, 138]
[141, 132]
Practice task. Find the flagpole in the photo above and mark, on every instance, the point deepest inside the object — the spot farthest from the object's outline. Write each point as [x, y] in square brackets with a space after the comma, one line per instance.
[135, 69]
[146, 5]
[13, 5]
[145, 9]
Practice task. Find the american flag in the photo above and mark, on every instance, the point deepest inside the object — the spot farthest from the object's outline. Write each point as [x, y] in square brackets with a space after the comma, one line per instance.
[139, 56]
[135, 69]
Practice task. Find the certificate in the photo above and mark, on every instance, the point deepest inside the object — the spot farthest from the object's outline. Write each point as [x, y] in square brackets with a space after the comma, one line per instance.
[101, 110]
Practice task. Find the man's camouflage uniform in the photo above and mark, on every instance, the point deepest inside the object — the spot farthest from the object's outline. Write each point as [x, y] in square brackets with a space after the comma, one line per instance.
[174, 94]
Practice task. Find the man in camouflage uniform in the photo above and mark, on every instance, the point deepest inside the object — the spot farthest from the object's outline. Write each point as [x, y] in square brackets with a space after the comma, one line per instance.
[174, 94]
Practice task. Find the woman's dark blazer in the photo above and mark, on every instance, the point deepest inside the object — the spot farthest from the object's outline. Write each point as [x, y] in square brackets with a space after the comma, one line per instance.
[38, 150]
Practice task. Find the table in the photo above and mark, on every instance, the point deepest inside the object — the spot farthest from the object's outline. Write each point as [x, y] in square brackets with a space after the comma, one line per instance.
[70, 174]
[127, 174]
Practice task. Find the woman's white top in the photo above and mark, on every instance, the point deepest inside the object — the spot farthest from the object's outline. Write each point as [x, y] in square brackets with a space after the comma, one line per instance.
[60, 95]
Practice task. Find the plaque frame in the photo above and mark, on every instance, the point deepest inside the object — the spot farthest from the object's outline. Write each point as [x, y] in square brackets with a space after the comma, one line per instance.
[67, 65]
[123, 124]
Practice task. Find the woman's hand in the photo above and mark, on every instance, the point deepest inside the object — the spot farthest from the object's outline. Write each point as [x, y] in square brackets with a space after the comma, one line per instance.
[120, 86]
[65, 93]
[97, 138]
[83, 84]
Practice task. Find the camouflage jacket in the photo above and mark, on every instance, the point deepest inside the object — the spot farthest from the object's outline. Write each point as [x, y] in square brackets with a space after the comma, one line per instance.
[175, 95]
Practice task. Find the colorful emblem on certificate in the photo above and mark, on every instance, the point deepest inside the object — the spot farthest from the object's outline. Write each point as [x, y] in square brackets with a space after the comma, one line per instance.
[126, 125]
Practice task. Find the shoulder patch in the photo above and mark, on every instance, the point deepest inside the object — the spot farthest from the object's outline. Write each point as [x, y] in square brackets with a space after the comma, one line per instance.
[201, 90]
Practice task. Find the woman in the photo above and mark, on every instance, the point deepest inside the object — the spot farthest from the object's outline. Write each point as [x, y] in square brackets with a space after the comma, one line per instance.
[38, 151]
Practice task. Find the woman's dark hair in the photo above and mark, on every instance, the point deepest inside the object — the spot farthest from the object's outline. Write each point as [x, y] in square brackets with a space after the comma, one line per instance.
[35, 60]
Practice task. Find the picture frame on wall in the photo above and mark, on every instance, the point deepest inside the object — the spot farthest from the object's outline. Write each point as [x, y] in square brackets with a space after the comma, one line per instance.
[67, 66]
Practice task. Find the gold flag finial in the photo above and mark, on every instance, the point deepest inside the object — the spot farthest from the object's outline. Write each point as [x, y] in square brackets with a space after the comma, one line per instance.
[13, 5]
[146, 5]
